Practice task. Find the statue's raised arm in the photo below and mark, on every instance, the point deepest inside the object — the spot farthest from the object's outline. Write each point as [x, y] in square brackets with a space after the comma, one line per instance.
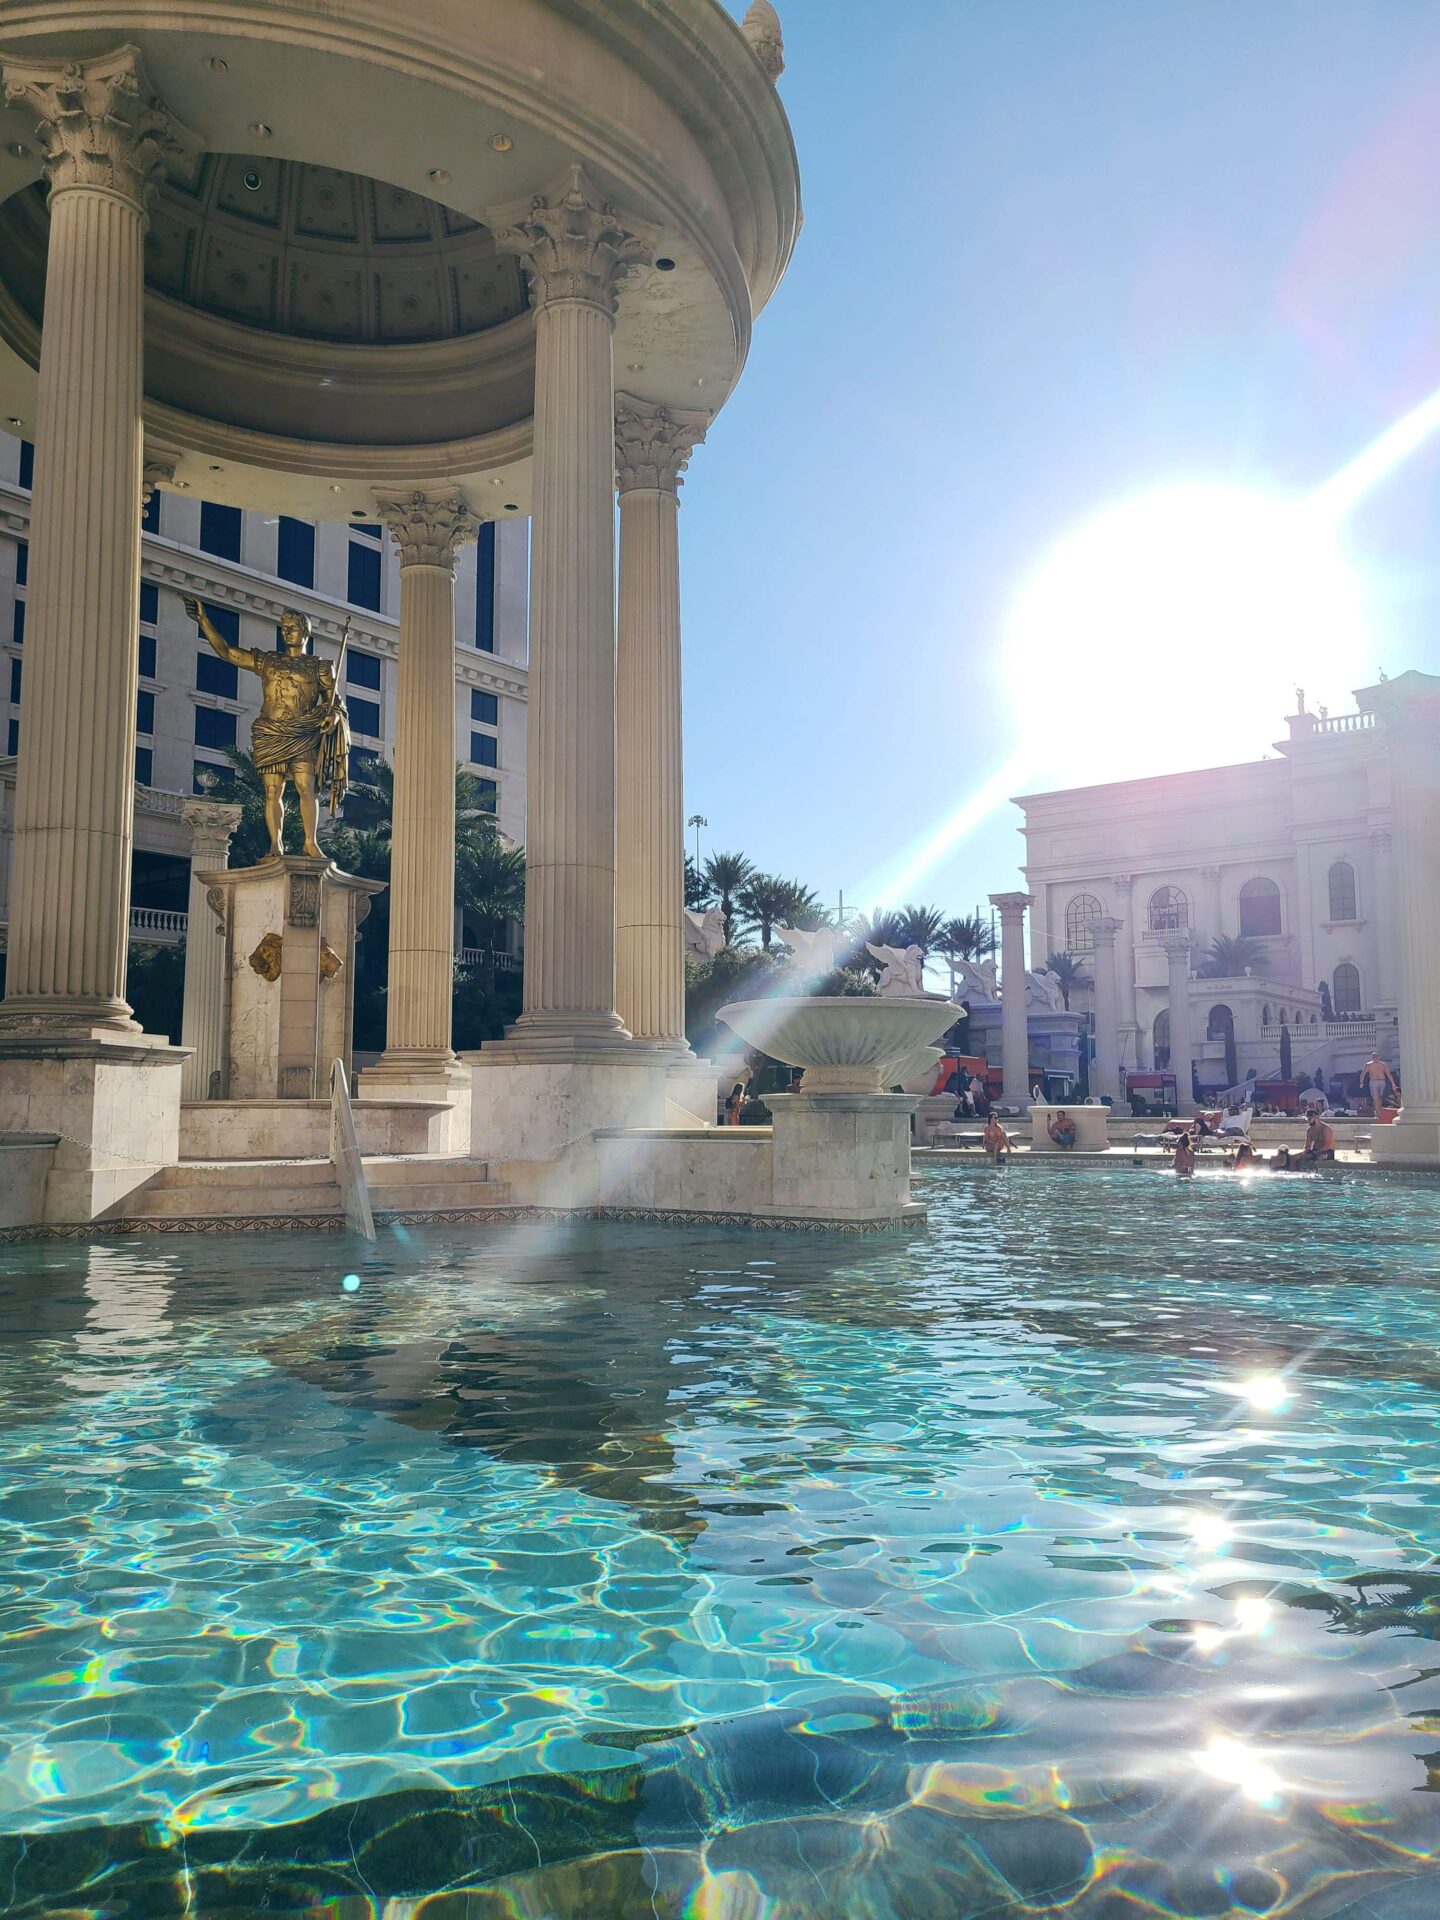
[237, 656]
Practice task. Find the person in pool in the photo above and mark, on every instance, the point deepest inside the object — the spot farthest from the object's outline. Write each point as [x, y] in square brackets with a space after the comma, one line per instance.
[1185, 1156]
[996, 1141]
[1319, 1141]
[1062, 1129]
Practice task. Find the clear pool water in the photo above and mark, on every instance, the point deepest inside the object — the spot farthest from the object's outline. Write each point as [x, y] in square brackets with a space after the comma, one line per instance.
[1076, 1557]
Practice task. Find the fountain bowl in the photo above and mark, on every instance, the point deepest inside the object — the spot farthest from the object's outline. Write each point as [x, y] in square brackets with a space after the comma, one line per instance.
[849, 1043]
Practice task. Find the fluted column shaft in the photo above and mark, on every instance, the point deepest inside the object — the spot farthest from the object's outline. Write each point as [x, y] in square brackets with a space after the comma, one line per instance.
[212, 824]
[1415, 852]
[1106, 1077]
[1182, 1044]
[1014, 1023]
[575, 249]
[104, 139]
[428, 529]
[653, 446]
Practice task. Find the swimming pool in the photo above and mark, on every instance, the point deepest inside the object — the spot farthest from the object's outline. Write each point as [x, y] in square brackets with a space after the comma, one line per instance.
[1075, 1556]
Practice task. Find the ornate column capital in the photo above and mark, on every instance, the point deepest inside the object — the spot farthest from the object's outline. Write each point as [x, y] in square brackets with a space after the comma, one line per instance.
[1380, 839]
[1012, 905]
[1123, 882]
[1210, 873]
[653, 444]
[99, 124]
[1176, 944]
[212, 824]
[428, 527]
[1105, 927]
[572, 244]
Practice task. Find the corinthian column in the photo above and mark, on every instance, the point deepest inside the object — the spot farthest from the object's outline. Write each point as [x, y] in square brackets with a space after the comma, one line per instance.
[429, 529]
[653, 446]
[105, 139]
[1014, 1026]
[1106, 1079]
[212, 824]
[575, 249]
[1182, 1045]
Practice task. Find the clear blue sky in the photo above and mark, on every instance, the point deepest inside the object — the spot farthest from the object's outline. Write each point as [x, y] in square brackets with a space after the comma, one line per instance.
[1056, 254]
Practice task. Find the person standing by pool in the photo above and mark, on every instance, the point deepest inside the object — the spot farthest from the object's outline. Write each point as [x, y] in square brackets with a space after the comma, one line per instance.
[1378, 1081]
[734, 1101]
[1061, 1129]
[1185, 1156]
[996, 1141]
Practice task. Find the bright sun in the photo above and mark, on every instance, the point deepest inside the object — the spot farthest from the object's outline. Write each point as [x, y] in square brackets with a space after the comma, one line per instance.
[1172, 631]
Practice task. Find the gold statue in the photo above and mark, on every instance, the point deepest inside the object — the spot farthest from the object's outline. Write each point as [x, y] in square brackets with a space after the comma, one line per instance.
[302, 732]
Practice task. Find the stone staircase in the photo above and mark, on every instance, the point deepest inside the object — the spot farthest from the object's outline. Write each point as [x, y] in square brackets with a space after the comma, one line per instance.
[308, 1189]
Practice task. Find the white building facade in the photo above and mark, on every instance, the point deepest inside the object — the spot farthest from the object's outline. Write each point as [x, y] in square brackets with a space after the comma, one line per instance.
[1292, 853]
[247, 567]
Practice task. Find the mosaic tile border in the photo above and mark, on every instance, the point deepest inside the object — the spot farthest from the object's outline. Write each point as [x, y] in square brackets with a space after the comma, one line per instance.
[456, 1216]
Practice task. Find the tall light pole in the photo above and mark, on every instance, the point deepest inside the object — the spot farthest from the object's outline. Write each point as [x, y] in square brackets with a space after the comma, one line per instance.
[697, 820]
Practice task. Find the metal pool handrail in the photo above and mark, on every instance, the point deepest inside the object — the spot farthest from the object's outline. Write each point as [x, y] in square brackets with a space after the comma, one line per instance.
[345, 1155]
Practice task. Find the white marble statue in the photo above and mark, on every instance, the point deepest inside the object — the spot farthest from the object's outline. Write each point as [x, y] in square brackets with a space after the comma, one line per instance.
[814, 952]
[704, 933]
[976, 981]
[1042, 991]
[902, 970]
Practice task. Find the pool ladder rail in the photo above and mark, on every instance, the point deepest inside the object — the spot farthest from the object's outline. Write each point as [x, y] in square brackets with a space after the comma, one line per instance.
[345, 1156]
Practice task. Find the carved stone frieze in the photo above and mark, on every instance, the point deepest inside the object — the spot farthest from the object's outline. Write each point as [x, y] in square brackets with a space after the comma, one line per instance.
[761, 27]
[99, 124]
[303, 907]
[430, 527]
[573, 244]
[653, 444]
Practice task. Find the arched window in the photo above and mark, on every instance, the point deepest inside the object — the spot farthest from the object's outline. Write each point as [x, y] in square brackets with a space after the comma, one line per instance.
[1169, 910]
[1259, 909]
[1081, 911]
[1219, 1023]
[1161, 1033]
[1342, 891]
[1345, 990]
[1265, 1016]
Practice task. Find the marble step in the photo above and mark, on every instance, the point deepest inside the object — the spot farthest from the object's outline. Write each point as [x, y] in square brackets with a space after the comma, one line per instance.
[247, 1173]
[421, 1169]
[221, 1200]
[416, 1198]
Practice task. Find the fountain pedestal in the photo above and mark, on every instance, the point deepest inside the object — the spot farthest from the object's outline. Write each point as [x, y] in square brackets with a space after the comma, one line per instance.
[842, 1156]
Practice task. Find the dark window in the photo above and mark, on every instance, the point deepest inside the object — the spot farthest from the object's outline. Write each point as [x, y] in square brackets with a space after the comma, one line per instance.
[147, 656]
[1169, 912]
[1259, 909]
[144, 765]
[145, 713]
[15, 666]
[295, 551]
[214, 675]
[149, 603]
[1345, 995]
[1342, 891]
[483, 750]
[1081, 911]
[19, 628]
[22, 562]
[27, 463]
[484, 707]
[150, 518]
[12, 737]
[487, 795]
[371, 527]
[226, 623]
[362, 669]
[214, 728]
[362, 587]
[364, 715]
[485, 588]
[220, 530]
[1161, 1036]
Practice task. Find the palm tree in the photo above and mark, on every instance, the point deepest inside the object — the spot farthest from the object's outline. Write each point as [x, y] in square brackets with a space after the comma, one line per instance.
[920, 927]
[1231, 956]
[766, 901]
[1069, 973]
[966, 937]
[725, 874]
[697, 892]
[489, 885]
[878, 929]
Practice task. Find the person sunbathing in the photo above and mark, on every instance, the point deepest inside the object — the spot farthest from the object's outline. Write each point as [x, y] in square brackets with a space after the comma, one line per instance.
[1062, 1129]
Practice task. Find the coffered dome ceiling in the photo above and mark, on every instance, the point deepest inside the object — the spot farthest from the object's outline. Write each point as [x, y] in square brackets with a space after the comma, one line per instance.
[324, 255]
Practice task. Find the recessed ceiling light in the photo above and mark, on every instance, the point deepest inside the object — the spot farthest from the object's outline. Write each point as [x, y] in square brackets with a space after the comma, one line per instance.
[14, 421]
[700, 383]
[357, 513]
[180, 483]
[635, 366]
[260, 130]
[335, 487]
[252, 180]
[217, 65]
[498, 483]
[215, 466]
[501, 143]
[437, 176]
[665, 264]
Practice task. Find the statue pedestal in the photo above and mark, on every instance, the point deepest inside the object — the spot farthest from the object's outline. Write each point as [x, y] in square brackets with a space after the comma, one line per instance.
[289, 928]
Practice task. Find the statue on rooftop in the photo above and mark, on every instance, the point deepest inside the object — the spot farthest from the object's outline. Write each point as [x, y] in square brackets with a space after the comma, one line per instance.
[301, 733]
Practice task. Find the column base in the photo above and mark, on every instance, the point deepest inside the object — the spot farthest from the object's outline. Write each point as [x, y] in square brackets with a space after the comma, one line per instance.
[842, 1156]
[1411, 1139]
[538, 1110]
[402, 1074]
[114, 1102]
[40, 1016]
[563, 1036]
